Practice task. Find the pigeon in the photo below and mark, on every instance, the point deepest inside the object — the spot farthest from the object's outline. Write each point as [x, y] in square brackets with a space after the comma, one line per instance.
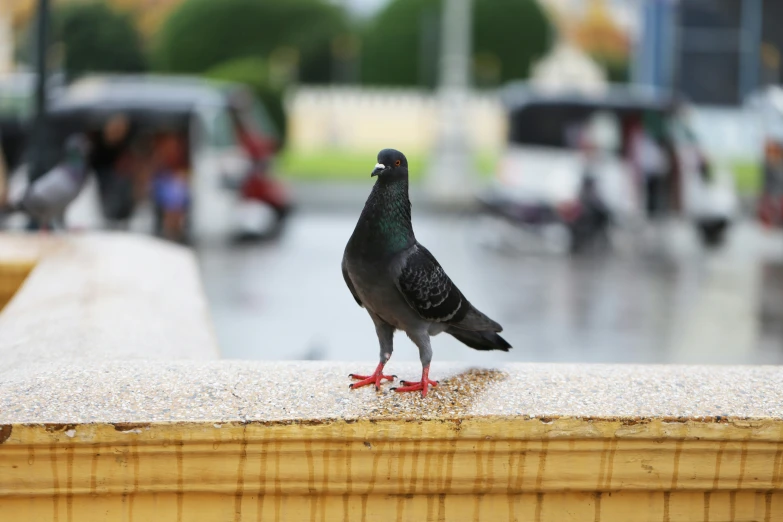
[47, 198]
[401, 284]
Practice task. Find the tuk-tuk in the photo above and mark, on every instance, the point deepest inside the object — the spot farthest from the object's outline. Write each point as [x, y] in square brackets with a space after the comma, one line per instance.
[559, 145]
[200, 121]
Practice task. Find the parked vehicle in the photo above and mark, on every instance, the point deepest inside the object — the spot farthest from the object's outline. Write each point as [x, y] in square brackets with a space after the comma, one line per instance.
[187, 125]
[557, 142]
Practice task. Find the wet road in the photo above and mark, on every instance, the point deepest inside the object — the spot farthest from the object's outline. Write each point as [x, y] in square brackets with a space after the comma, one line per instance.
[658, 298]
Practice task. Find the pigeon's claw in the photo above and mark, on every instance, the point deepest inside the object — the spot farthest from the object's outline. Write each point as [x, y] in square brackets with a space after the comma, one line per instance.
[376, 378]
[422, 385]
[418, 383]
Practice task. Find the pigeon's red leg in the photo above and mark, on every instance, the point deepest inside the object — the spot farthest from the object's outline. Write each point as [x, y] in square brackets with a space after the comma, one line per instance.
[423, 385]
[376, 378]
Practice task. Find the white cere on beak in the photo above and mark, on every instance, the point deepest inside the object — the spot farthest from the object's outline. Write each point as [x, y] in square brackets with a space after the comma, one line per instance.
[380, 166]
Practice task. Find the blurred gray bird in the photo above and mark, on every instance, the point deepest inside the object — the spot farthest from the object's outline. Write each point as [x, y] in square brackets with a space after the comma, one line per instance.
[47, 198]
[401, 284]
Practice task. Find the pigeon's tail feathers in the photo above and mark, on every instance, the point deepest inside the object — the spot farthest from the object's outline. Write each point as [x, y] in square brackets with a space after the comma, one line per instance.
[477, 321]
[483, 340]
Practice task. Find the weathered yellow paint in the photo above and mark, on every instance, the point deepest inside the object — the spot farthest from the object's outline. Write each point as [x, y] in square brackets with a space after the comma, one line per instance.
[474, 469]
[626, 506]
[12, 275]
[18, 256]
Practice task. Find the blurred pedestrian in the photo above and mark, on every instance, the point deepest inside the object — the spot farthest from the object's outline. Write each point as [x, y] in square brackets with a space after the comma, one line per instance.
[259, 184]
[591, 223]
[649, 157]
[770, 209]
[3, 179]
[172, 198]
[112, 162]
[171, 186]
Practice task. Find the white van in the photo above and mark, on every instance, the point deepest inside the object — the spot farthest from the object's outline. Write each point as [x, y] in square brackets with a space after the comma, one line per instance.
[554, 139]
[203, 112]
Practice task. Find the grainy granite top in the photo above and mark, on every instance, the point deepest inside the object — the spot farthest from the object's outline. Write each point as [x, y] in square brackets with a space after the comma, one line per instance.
[238, 391]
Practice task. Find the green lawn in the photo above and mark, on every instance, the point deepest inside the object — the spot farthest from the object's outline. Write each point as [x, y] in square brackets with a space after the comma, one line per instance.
[747, 175]
[337, 165]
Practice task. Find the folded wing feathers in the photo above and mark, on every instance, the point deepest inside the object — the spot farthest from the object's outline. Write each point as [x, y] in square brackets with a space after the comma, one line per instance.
[428, 289]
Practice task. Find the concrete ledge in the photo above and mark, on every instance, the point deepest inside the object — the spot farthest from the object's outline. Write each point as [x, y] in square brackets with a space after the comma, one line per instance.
[96, 424]
[285, 392]
[102, 296]
[286, 441]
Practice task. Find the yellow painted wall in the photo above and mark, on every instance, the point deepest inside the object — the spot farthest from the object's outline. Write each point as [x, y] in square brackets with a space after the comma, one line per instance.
[562, 507]
[476, 469]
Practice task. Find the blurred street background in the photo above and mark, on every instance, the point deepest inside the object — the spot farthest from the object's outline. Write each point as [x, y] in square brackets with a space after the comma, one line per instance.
[603, 177]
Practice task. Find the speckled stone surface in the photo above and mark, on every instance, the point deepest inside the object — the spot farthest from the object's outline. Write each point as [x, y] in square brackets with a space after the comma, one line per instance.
[235, 391]
[103, 296]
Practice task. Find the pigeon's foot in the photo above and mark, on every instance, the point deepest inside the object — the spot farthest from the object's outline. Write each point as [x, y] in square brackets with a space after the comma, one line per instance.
[423, 385]
[376, 378]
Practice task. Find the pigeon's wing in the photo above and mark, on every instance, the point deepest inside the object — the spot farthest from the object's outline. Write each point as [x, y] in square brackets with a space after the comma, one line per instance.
[350, 286]
[428, 290]
[54, 189]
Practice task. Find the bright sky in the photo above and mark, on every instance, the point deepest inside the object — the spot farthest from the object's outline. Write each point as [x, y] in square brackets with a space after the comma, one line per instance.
[362, 7]
[626, 12]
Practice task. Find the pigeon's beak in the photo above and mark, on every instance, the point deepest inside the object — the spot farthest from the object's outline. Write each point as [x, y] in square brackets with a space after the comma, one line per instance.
[379, 167]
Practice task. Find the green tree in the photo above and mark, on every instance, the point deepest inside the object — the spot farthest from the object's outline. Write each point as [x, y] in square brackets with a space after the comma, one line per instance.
[617, 69]
[202, 34]
[96, 38]
[253, 72]
[401, 45]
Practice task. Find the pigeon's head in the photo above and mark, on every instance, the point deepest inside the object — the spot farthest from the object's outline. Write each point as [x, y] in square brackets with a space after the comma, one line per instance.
[390, 161]
[77, 146]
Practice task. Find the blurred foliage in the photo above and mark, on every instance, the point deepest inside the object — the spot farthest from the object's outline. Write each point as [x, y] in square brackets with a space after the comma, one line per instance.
[92, 37]
[254, 73]
[401, 44]
[398, 41]
[617, 70]
[517, 32]
[201, 34]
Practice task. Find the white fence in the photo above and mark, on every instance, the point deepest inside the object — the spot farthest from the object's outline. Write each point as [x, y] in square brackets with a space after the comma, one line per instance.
[371, 119]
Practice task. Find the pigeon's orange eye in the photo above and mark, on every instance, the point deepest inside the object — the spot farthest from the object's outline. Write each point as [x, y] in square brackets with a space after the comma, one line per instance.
[397, 163]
